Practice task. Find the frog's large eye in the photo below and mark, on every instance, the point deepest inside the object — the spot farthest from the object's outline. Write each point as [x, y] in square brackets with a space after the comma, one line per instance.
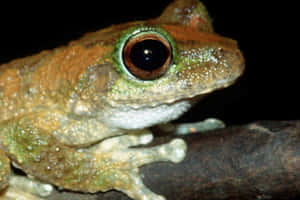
[147, 56]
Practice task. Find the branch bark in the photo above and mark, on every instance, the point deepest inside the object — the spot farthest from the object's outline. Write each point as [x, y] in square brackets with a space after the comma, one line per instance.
[260, 160]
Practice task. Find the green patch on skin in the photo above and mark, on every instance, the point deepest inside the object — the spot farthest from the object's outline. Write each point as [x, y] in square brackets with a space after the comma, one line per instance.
[24, 141]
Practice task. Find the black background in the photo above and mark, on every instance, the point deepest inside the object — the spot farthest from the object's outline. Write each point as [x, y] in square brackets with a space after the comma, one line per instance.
[265, 31]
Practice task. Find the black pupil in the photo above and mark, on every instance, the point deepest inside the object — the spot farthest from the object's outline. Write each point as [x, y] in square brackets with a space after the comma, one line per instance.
[149, 54]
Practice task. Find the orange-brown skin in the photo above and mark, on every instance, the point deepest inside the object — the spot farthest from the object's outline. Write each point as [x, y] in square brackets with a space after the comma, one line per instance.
[59, 101]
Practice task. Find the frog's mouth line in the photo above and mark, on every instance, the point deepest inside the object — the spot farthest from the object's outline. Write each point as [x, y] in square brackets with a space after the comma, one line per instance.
[173, 98]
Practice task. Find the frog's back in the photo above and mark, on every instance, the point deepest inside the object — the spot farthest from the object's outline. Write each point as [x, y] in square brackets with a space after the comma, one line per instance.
[14, 79]
[43, 80]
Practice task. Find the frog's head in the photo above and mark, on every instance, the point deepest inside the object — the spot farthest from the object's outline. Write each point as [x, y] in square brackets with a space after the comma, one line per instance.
[162, 62]
[176, 56]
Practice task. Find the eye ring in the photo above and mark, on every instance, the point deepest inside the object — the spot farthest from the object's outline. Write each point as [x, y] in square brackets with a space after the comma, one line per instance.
[147, 55]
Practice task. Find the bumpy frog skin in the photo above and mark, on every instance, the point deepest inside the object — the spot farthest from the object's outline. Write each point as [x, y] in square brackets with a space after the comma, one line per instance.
[69, 116]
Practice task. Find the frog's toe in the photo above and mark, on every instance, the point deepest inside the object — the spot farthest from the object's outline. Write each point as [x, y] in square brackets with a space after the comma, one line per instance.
[197, 127]
[174, 151]
[177, 150]
[34, 187]
[13, 193]
[139, 191]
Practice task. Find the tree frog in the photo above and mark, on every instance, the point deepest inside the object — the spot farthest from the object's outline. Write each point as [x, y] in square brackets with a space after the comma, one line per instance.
[70, 116]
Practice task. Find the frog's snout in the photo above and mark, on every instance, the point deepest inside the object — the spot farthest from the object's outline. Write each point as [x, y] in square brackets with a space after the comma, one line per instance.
[210, 66]
[231, 62]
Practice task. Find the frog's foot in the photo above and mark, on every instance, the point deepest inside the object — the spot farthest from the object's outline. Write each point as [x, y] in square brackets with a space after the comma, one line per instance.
[196, 127]
[174, 151]
[125, 162]
[22, 184]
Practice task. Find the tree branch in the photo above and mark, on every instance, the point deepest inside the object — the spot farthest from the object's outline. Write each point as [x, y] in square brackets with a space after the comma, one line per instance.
[255, 161]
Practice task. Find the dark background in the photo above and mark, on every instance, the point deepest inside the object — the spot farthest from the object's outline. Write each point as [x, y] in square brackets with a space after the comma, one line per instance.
[264, 30]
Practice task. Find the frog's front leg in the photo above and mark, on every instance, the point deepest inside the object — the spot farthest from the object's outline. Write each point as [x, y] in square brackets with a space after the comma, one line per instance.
[39, 154]
[118, 149]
